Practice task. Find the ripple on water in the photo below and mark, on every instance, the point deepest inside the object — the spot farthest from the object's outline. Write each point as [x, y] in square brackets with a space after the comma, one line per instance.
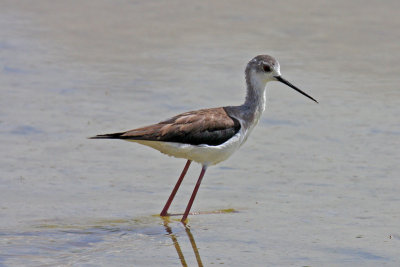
[100, 241]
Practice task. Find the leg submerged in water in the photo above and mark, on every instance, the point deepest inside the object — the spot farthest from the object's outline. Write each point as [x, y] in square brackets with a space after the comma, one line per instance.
[189, 205]
[164, 212]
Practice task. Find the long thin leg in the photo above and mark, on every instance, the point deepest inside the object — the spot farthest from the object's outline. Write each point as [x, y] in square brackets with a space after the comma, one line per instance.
[189, 205]
[164, 212]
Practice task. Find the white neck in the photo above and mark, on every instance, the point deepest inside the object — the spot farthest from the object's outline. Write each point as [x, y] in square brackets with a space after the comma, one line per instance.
[255, 98]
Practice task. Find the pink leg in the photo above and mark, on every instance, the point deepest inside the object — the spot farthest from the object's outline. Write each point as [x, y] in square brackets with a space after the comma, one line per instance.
[164, 212]
[203, 171]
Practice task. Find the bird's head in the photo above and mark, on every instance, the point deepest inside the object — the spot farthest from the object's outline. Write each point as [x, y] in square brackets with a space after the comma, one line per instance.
[263, 69]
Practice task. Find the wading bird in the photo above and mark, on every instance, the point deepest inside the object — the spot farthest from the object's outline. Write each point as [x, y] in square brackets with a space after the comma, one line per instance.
[209, 136]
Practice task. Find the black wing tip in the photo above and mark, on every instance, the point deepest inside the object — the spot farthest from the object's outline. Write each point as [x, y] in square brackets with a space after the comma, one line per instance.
[107, 136]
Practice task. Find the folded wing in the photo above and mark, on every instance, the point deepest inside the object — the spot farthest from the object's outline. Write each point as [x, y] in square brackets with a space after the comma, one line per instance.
[206, 126]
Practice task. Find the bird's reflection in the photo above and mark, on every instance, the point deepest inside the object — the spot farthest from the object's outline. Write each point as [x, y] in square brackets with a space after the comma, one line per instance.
[174, 239]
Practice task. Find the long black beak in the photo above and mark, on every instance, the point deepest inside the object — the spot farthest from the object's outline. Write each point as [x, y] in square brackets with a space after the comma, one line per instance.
[282, 80]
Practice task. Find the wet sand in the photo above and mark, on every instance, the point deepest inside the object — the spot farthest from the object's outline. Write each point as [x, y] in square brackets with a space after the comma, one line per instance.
[315, 185]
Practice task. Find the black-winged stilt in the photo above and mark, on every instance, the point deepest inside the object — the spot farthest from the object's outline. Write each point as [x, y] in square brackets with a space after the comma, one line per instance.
[209, 136]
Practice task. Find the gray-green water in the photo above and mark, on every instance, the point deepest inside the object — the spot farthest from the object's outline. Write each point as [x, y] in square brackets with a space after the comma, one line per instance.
[314, 185]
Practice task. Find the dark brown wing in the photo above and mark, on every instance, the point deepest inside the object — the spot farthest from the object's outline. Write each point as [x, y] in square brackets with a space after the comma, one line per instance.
[206, 126]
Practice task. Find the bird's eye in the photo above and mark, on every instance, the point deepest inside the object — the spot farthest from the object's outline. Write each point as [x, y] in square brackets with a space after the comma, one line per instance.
[266, 68]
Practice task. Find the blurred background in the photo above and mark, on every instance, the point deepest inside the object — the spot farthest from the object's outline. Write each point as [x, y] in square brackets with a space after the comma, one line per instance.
[315, 184]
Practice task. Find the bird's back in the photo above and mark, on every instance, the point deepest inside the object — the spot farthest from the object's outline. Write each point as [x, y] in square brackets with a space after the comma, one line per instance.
[206, 126]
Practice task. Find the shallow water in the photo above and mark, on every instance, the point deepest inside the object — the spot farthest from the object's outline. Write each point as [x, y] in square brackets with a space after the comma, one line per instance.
[314, 184]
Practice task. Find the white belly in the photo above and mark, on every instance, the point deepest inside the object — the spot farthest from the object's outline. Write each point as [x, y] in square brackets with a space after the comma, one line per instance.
[203, 154]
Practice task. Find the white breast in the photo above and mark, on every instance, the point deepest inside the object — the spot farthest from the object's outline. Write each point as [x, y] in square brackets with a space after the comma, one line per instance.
[203, 154]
